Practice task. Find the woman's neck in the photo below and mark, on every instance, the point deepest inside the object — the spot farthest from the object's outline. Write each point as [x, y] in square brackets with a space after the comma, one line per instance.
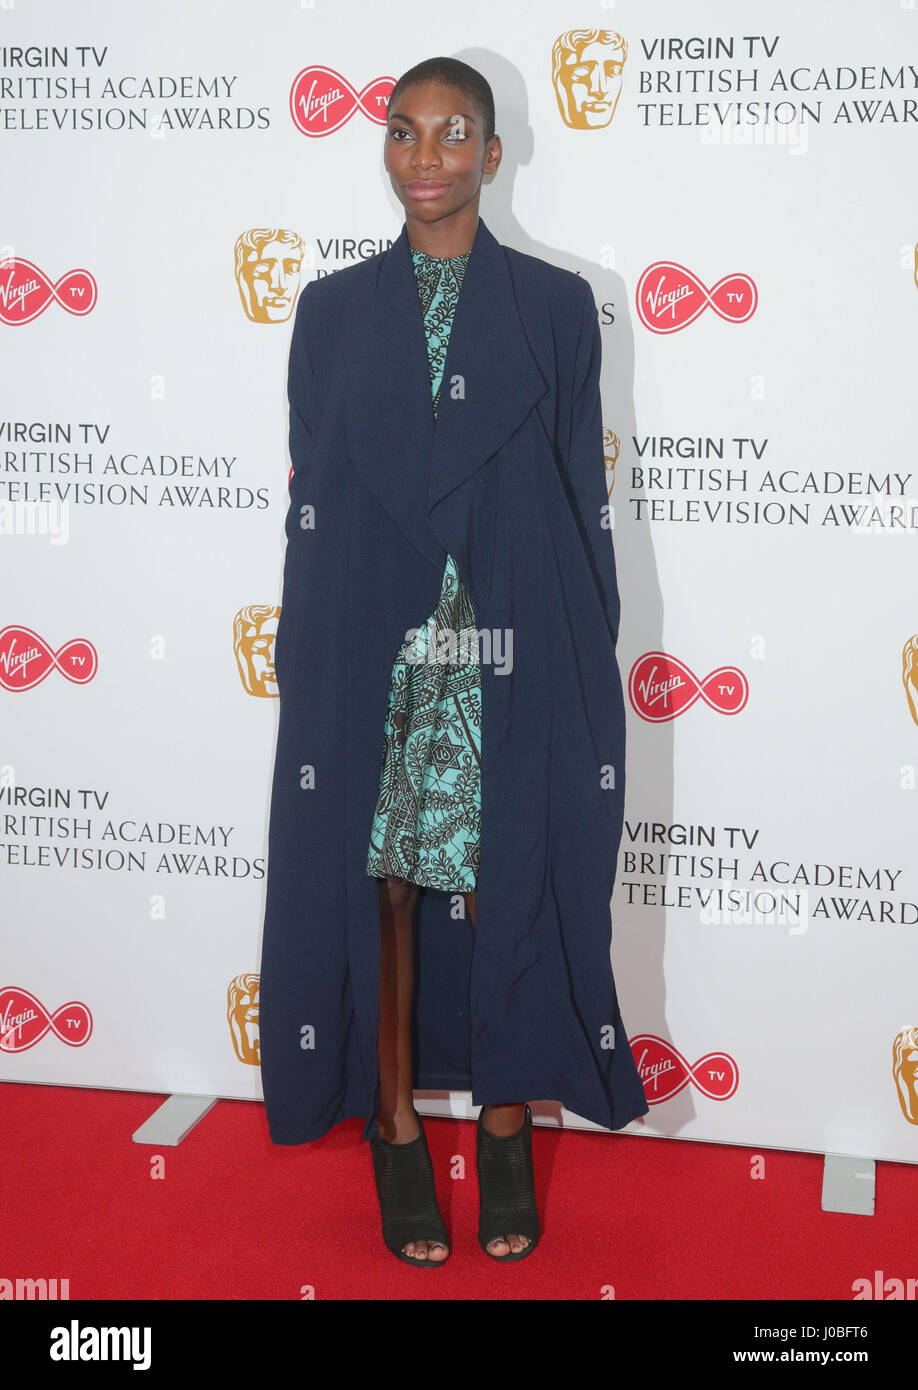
[444, 239]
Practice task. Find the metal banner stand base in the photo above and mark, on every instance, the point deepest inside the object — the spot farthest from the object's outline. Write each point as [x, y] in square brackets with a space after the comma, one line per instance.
[171, 1121]
[849, 1184]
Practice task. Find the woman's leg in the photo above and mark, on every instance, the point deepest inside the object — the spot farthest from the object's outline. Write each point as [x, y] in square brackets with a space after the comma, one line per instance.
[397, 1118]
[501, 1120]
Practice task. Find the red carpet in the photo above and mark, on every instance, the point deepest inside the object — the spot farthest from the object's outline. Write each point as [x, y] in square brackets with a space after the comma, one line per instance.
[237, 1217]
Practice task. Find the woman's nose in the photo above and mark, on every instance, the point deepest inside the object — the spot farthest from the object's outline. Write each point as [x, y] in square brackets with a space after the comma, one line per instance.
[425, 156]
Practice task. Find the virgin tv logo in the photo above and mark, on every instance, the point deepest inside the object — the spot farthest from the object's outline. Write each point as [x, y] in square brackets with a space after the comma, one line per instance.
[664, 1072]
[26, 291]
[322, 101]
[24, 1021]
[660, 687]
[26, 659]
[669, 297]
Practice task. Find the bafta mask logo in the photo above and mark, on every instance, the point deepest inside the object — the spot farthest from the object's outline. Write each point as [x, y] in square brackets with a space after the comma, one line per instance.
[910, 674]
[611, 446]
[254, 631]
[242, 1016]
[905, 1072]
[586, 72]
[268, 261]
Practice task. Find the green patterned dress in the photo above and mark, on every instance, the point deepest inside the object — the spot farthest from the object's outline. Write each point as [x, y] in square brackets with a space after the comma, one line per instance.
[427, 823]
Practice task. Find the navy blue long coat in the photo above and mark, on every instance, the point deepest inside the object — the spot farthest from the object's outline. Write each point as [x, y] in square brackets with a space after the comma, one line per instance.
[509, 480]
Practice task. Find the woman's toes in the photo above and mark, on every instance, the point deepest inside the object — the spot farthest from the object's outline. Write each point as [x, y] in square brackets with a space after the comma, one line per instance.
[509, 1243]
[425, 1250]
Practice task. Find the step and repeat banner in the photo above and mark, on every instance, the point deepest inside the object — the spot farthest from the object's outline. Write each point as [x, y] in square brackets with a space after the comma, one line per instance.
[736, 181]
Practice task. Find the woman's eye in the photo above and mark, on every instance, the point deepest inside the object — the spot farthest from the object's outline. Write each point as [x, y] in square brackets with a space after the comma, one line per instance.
[453, 135]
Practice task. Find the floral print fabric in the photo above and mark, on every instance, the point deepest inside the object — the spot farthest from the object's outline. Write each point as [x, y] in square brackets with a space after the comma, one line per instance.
[427, 822]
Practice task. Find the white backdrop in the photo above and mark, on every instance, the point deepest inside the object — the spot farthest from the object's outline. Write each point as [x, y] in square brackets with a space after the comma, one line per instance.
[143, 488]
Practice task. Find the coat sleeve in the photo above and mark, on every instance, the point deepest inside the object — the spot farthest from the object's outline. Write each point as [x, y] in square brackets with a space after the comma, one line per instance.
[585, 468]
[299, 385]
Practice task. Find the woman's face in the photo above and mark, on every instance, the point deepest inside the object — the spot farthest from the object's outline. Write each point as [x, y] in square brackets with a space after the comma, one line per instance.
[435, 151]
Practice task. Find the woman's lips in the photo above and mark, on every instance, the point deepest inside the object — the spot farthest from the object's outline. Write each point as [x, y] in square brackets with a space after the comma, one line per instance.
[422, 190]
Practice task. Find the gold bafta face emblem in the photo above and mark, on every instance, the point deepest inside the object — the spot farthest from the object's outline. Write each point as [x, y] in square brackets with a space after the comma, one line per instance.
[910, 674]
[268, 261]
[905, 1072]
[587, 69]
[610, 450]
[242, 1016]
[254, 631]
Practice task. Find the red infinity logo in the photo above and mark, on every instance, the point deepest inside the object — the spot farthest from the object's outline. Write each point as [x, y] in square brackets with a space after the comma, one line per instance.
[664, 1071]
[661, 686]
[26, 658]
[26, 291]
[669, 297]
[24, 1021]
[321, 100]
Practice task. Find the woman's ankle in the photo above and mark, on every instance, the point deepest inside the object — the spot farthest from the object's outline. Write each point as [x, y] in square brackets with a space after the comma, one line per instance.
[400, 1127]
[504, 1120]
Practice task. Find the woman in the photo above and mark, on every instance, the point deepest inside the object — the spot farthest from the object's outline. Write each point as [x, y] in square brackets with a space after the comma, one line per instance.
[446, 440]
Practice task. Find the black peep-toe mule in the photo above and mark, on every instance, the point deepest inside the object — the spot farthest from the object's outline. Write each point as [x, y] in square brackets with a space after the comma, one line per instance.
[506, 1188]
[408, 1196]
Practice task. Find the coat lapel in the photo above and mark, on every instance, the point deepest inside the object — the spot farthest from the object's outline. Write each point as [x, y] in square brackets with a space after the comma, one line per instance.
[491, 382]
